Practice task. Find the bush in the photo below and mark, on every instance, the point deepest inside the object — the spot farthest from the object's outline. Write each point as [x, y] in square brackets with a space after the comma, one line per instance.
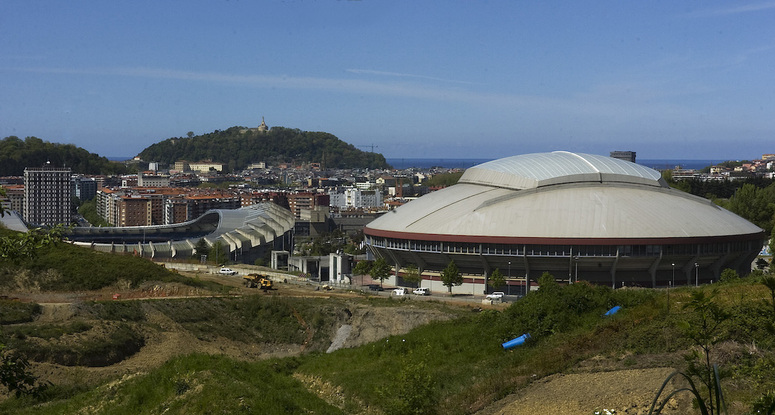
[119, 310]
[120, 342]
[15, 312]
[554, 308]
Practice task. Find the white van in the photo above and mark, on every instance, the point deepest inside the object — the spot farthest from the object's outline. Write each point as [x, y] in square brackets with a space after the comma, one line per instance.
[422, 291]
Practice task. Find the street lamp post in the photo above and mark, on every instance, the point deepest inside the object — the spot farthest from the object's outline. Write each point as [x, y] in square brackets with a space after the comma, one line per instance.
[577, 268]
[696, 274]
[673, 264]
[508, 282]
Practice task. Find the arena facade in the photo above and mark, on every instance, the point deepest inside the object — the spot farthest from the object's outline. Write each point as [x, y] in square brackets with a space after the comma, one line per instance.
[246, 234]
[578, 216]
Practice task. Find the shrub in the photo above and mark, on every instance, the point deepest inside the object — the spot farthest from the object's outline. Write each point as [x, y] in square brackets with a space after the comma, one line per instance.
[15, 312]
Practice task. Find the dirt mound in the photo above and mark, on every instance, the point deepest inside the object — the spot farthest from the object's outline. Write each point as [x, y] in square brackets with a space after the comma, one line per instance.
[164, 338]
[628, 391]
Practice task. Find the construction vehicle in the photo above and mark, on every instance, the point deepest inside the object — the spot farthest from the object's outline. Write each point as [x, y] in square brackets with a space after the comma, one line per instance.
[258, 280]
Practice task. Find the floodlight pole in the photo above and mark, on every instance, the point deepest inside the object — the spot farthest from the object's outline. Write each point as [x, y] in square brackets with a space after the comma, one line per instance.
[696, 274]
[673, 264]
[577, 268]
[508, 282]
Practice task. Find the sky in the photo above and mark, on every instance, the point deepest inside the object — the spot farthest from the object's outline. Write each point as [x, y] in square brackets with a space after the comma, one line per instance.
[408, 79]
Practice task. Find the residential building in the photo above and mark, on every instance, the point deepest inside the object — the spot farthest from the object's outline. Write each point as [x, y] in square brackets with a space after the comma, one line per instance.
[47, 193]
[153, 180]
[355, 198]
[14, 197]
[84, 188]
[624, 155]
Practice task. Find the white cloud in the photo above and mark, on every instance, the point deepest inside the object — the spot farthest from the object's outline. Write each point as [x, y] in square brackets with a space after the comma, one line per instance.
[405, 75]
[745, 8]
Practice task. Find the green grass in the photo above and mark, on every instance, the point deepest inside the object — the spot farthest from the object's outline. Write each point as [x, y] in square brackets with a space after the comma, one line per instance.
[460, 363]
[257, 318]
[46, 331]
[14, 312]
[66, 267]
[41, 344]
[195, 384]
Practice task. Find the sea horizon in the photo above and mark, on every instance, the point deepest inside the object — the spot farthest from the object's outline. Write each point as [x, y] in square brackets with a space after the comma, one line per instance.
[464, 163]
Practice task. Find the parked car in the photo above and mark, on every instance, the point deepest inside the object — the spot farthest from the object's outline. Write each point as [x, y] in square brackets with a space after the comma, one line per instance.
[376, 287]
[497, 295]
[227, 271]
[422, 291]
[400, 291]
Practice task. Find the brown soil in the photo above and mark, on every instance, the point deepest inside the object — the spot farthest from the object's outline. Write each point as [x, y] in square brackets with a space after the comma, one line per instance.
[164, 338]
[628, 391]
[596, 385]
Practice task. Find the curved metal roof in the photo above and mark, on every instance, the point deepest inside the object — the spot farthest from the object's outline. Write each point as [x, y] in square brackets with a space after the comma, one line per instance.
[246, 227]
[530, 171]
[627, 204]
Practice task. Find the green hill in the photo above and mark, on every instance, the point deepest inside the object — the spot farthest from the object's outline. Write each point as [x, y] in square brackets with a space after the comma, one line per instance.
[17, 154]
[238, 147]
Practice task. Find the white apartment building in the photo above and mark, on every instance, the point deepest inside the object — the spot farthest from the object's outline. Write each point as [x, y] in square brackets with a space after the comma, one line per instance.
[352, 197]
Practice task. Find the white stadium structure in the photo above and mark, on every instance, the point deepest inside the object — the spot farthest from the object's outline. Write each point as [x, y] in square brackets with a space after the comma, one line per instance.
[577, 216]
[246, 234]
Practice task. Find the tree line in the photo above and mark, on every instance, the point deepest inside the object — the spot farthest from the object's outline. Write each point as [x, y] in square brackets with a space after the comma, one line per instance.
[17, 154]
[238, 147]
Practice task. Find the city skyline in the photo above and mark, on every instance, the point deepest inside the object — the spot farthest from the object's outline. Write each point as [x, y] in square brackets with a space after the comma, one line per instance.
[451, 80]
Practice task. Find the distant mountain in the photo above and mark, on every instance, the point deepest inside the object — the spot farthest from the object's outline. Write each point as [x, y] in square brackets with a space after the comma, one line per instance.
[238, 147]
[17, 154]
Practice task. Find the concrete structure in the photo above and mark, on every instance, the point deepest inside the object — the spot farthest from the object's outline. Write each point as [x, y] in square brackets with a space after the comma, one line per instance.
[47, 193]
[299, 201]
[577, 216]
[84, 188]
[153, 180]
[14, 198]
[206, 166]
[354, 198]
[246, 234]
[624, 155]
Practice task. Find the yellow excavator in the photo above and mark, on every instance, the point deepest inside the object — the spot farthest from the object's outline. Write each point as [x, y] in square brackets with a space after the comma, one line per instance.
[258, 280]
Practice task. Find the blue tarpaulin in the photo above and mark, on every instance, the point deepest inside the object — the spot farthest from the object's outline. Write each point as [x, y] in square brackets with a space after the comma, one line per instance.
[613, 311]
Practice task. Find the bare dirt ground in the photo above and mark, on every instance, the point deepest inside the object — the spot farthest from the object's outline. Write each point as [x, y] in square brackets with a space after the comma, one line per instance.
[628, 391]
[595, 385]
[168, 339]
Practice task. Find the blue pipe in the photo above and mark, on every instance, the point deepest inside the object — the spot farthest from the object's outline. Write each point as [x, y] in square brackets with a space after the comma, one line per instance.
[519, 341]
[612, 311]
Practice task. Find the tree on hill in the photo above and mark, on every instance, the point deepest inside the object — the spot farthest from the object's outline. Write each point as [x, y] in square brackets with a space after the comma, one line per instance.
[238, 147]
[17, 154]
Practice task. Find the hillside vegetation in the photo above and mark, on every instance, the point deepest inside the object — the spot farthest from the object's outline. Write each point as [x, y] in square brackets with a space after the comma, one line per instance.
[238, 147]
[17, 154]
[265, 353]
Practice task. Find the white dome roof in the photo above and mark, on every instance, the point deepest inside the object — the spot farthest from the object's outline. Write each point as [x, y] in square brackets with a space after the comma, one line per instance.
[530, 171]
[559, 198]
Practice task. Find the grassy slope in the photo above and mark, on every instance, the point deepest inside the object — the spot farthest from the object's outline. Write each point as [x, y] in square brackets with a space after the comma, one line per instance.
[65, 267]
[460, 364]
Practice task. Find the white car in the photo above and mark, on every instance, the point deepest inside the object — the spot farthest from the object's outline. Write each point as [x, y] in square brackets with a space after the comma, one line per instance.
[497, 295]
[422, 291]
[400, 291]
[227, 271]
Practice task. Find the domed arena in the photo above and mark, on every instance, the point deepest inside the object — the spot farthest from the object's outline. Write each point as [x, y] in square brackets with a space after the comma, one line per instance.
[577, 216]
